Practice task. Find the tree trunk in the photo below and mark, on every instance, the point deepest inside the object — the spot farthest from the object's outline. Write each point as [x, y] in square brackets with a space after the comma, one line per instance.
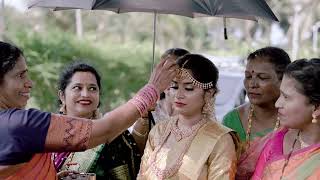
[247, 32]
[79, 26]
[2, 22]
[295, 31]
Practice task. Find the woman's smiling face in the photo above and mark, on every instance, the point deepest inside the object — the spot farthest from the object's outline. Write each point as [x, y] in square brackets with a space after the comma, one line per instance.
[81, 95]
[16, 86]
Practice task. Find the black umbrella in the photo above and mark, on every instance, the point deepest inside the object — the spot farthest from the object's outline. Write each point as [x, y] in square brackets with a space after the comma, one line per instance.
[240, 9]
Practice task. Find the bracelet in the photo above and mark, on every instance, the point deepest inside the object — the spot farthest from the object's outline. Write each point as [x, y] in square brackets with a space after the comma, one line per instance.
[144, 121]
[145, 98]
[139, 134]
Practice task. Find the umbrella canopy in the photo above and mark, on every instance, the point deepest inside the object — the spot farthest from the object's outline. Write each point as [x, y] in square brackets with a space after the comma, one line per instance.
[240, 9]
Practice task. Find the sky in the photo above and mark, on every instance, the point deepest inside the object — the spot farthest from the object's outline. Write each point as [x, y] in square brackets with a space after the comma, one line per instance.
[19, 4]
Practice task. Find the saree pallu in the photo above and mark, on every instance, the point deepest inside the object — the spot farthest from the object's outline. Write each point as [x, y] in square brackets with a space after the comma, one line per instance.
[63, 134]
[120, 159]
[303, 164]
[248, 155]
[39, 167]
[248, 159]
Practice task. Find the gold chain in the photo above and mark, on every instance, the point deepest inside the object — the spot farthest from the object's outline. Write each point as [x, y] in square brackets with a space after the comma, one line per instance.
[302, 143]
[248, 132]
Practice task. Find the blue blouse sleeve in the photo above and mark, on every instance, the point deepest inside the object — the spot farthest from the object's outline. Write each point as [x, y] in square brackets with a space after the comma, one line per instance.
[22, 134]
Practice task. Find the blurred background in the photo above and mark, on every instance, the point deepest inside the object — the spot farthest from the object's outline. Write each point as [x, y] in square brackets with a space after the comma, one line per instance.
[120, 45]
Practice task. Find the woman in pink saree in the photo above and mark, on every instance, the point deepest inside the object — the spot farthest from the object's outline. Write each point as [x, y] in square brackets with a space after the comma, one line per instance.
[293, 152]
[257, 118]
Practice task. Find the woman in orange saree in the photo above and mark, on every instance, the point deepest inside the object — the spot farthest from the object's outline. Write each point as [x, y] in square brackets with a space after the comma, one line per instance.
[294, 151]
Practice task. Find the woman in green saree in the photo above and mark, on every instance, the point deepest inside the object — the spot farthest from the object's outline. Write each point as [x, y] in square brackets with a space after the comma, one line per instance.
[253, 120]
[263, 75]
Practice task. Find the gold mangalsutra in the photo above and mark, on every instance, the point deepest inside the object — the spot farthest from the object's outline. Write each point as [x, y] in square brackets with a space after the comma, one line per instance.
[286, 162]
[248, 132]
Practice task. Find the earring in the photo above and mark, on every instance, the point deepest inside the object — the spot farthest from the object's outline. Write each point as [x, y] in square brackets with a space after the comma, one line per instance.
[208, 108]
[96, 114]
[314, 121]
[63, 109]
[277, 125]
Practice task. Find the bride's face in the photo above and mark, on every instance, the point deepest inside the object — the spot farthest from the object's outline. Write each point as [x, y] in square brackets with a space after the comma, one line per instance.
[188, 99]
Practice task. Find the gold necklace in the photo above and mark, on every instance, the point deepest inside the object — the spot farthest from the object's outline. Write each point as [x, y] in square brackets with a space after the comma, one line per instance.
[302, 143]
[169, 171]
[248, 132]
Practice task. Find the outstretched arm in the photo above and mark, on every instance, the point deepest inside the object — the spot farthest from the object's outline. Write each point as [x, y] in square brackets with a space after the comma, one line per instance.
[79, 134]
[32, 131]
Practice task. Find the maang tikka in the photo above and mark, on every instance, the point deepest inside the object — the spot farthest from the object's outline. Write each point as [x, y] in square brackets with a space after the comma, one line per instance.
[184, 73]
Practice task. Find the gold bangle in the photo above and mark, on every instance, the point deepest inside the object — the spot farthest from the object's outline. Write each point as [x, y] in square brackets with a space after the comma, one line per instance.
[144, 121]
[139, 134]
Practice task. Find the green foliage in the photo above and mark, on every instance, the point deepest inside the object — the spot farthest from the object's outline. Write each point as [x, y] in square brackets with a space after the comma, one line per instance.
[120, 45]
[124, 69]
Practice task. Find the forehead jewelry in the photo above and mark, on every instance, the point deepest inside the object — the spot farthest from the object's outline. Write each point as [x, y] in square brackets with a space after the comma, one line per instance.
[184, 73]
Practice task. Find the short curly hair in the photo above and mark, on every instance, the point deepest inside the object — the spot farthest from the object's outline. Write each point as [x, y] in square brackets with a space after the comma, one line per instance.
[9, 55]
[276, 56]
[307, 74]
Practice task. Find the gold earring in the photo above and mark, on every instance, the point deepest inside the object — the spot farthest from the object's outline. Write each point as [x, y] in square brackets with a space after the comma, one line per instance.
[314, 121]
[277, 125]
[208, 108]
[63, 109]
[96, 114]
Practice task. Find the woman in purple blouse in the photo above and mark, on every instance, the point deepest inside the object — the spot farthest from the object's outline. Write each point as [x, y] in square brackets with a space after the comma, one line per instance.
[24, 133]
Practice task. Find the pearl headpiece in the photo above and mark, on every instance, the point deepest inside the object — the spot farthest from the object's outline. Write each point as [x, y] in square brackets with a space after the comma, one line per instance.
[184, 73]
